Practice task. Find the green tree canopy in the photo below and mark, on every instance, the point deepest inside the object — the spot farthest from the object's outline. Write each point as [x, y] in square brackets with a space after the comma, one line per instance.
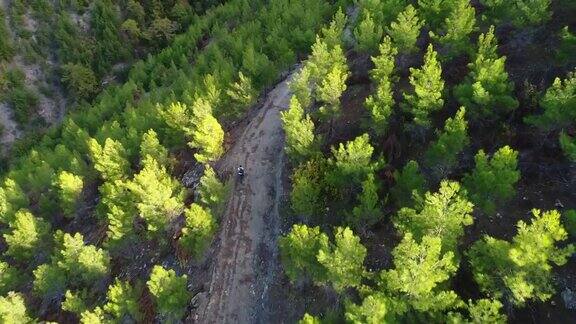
[343, 261]
[443, 214]
[558, 103]
[374, 309]
[298, 251]
[351, 163]
[150, 147]
[299, 130]
[380, 105]
[307, 183]
[10, 278]
[28, 235]
[492, 181]
[207, 134]
[368, 33]
[410, 184]
[212, 191]
[568, 146]
[521, 270]
[169, 293]
[69, 191]
[486, 91]
[428, 89]
[13, 309]
[419, 274]
[110, 160]
[198, 231]
[158, 197]
[442, 155]
[122, 301]
[454, 35]
[405, 30]
[367, 212]
[12, 199]
[82, 264]
[80, 80]
[519, 12]
[434, 12]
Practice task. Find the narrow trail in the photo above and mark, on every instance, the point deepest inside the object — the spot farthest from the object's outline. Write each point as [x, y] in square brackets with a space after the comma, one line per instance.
[246, 255]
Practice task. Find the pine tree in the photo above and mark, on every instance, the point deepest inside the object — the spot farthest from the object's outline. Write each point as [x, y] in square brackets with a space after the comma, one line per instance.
[567, 46]
[331, 88]
[6, 47]
[443, 214]
[150, 147]
[27, 236]
[428, 87]
[12, 199]
[306, 195]
[212, 191]
[13, 309]
[241, 94]
[344, 261]
[74, 302]
[176, 116]
[568, 146]
[558, 104]
[486, 311]
[520, 12]
[207, 134]
[118, 207]
[521, 270]
[409, 183]
[198, 231]
[169, 293]
[492, 181]
[49, 281]
[374, 309]
[351, 164]
[95, 316]
[82, 264]
[405, 30]
[122, 301]
[69, 191]
[111, 161]
[486, 91]
[301, 86]
[158, 197]
[368, 33]
[332, 35]
[80, 80]
[309, 319]
[10, 278]
[298, 251]
[455, 32]
[419, 275]
[384, 63]
[487, 46]
[434, 12]
[381, 103]
[321, 60]
[299, 130]
[383, 11]
[442, 155]
[367, 212]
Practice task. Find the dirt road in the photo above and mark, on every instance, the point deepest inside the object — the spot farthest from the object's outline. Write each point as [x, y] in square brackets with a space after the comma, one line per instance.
[246, 257]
